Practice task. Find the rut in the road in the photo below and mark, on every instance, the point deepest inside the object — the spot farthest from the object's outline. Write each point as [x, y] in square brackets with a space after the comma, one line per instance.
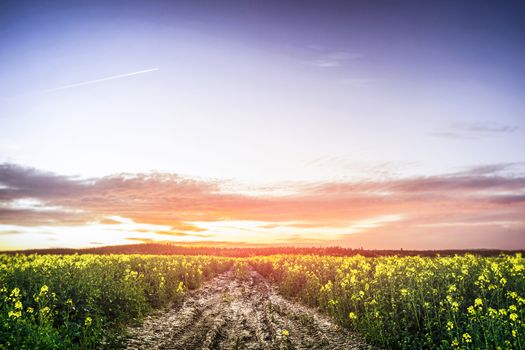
[232, 313]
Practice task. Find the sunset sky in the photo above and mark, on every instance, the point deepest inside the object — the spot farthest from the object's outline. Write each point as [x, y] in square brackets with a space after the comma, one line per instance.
[381, 124]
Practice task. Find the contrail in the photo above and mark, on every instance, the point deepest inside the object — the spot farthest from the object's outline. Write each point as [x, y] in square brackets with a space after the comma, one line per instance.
[113, 77]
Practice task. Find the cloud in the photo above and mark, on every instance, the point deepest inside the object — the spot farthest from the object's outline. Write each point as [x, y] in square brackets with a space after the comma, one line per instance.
[22, 182]
[176, 233]
[228, 244]
[486, 127]
[145, 240]
[11, 232]
[412, 236]
[323, 58]
[468, 130]
[29, 217]
[451, 135]
[493, 169]
[184, 205]
[109, 221]
[509, 199]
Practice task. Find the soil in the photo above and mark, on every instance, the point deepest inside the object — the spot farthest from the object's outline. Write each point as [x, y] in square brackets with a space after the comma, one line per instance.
[229, 312]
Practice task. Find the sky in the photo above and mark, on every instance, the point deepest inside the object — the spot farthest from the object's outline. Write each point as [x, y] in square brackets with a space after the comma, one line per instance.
[376, 124]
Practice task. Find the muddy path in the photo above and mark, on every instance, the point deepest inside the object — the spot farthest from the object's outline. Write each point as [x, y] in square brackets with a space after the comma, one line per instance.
[232, 313]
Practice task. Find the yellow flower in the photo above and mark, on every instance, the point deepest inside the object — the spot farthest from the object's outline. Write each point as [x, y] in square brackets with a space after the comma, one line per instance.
[471, 310]
[332, 302]
[285, 332]
[455, 306]
[88, 321]
[450, 325]
[14, 314]
[513, 316]
[352, 316]
[467, 338]
[180, 288]
[478, 302]
[518, 268]
[30, 310]
[44, 289]
[18, 305]
[15, 292]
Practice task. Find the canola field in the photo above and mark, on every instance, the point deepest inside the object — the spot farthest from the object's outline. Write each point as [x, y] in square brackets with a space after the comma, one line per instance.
[462, 302]
[86, 301]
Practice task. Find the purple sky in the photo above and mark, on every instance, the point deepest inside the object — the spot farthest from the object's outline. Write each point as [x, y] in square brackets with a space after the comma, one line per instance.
[266, 99]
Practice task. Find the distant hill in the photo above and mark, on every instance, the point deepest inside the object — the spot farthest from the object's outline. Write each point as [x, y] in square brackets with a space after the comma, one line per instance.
[173, 249]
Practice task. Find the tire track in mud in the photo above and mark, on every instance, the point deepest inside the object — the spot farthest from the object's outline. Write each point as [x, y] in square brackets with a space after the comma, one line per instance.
[240, 313]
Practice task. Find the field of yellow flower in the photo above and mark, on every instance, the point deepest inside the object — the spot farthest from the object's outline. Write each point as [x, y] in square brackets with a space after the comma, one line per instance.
[461, 302]
[82, 301]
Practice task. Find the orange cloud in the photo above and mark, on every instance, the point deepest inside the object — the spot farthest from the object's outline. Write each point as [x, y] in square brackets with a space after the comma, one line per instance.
[444, 205]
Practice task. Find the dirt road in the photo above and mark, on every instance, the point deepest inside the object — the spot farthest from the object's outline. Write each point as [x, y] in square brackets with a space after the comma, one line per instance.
[232, 313]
